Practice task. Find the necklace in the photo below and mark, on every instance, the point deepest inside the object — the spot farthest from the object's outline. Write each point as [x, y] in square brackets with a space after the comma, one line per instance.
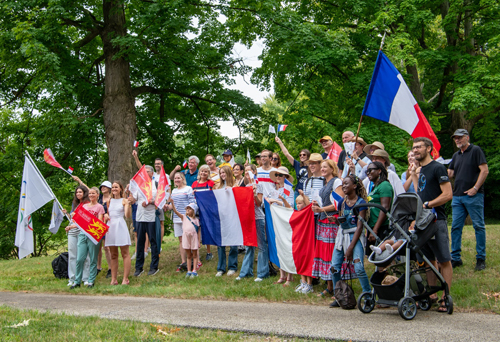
[351, 203]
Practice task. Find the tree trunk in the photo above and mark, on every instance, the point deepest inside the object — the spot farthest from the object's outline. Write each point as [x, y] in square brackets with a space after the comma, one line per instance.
[118, 103]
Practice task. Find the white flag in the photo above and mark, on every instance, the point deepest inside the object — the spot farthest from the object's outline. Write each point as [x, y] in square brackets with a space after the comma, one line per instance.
[57, 218]
[34, 194]
[271, 129]
[232, 162]
[249, 159]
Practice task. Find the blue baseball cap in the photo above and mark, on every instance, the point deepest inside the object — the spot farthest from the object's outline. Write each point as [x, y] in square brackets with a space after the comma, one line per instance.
[228, 152]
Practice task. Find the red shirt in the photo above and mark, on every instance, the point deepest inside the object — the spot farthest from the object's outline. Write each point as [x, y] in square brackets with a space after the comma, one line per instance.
[208, 185]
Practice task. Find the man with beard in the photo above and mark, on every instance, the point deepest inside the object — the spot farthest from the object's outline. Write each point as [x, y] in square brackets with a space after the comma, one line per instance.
[469, 168]
[434, 188]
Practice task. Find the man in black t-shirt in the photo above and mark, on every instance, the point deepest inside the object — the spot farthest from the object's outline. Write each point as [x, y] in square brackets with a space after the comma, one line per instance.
[469, 168]
[434, 188]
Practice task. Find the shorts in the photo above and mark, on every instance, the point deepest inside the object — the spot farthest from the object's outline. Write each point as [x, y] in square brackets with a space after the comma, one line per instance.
[438, 248]
[161, 214]
[177, 229]
[190, 240]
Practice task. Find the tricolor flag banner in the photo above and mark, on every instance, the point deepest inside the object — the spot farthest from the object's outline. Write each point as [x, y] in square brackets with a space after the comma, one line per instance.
[227, 217]
[390, 100]
[290, 236]
[288, 187]
[161, 193]
[335, 198]
[334, 152]
[281, 128]
[90, 225]
[70, 170]
[185, 164]
[56, 219]
[271, 129]
[136, 143]
[35, 193]
[141, 184]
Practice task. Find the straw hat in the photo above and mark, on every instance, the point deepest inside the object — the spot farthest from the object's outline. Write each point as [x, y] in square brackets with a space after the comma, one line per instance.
[316, 157]
[381, 153]
[282, 170]
[360, 140]
[377, 144]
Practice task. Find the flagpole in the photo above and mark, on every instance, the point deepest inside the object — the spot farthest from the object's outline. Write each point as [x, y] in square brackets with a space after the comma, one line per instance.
[40, 174]
[359, 127]
[382, 42]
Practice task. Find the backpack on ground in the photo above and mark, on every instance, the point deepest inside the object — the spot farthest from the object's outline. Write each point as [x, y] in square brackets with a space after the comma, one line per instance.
[60, 266]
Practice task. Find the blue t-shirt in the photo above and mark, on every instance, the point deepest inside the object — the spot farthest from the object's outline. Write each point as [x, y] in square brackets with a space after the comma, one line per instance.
[301, 173]
[190, 178]
[403, 180]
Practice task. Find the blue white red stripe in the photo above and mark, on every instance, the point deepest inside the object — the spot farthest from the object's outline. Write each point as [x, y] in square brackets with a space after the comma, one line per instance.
[184, 164]
[227, 217]
[290, 236]
[281, 128]
[288, 187]
[390, 100]
[136, 143]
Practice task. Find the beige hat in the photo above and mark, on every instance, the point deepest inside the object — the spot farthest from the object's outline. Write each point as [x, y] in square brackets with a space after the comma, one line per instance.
[281, 170]
[377, 144]
[326, 137]
[360, 140]
[316, 157]
[381, 153]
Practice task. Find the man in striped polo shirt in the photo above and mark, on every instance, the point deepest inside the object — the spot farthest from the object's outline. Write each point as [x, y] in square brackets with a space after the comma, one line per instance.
[264, 171]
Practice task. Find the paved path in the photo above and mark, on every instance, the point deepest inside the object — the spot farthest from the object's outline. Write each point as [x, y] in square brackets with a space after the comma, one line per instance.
[270, 318]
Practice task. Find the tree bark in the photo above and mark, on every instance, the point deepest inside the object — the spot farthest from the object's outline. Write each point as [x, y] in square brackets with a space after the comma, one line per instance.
[118, 103]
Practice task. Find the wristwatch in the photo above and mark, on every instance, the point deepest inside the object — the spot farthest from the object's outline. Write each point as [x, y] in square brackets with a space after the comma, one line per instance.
[426, 205]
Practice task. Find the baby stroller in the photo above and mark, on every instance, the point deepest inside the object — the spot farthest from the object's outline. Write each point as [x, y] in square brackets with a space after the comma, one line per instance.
[412, 285]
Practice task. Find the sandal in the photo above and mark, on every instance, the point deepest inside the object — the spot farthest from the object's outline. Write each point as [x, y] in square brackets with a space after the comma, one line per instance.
[126, 282]
[442, 307]
[115, 283]
[325, 293]
[280, 281]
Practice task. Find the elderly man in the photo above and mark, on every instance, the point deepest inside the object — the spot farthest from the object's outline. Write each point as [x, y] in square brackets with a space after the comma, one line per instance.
[383, 157]
[327, 143]
[346, 137]
[191, 173]
[145, 219]
[369, 149]
[358, 158]
[469, 168]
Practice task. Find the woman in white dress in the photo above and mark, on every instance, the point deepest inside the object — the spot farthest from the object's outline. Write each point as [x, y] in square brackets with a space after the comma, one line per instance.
[118, 234]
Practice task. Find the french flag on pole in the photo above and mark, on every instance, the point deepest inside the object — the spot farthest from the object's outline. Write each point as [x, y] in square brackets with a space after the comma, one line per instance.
[290, 236]
[390, 100]
[288, 187]
[281, 128]
[227, 217]
[70, 170]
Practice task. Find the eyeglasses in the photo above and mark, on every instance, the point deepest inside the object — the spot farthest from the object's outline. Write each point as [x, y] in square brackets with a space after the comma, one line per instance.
[302, 155]
[417, 147]
[368, 171]
[279, 175]
[275, 158]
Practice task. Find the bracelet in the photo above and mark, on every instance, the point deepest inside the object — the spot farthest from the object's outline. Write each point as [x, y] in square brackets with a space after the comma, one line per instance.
[475, 188]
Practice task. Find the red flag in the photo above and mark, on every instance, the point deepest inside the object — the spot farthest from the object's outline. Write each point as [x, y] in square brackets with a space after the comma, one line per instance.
[334, 152]
[161, 195]
[94, 228]
[142, 184]
[49, 158]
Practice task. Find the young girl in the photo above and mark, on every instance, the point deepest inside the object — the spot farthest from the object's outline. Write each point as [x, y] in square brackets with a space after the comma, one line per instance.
[190, 228]
[305, 285]
[85, 245]
[118, 235]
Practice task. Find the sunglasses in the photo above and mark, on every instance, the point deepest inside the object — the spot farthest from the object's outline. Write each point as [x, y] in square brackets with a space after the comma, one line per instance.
[275, 158]
[302, 155]
[280, 175]
[368, 171]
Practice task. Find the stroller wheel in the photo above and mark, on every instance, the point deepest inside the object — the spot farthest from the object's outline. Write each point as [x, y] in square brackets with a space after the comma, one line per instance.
[448, 301]
[407, 308]
[366, 302]
[424, 304]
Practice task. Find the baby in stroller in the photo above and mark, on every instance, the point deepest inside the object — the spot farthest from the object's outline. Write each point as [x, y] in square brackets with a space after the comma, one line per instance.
[391, 244]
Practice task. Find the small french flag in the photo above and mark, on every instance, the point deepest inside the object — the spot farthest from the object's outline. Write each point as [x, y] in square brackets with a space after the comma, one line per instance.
[70, 170]
[185, 164]
[288, 187]
[136, 143]
[281, 128]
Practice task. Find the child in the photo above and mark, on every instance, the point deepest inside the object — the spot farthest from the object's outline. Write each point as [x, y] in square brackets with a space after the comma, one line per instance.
[305, 285]
[190, 243]
[391, 245]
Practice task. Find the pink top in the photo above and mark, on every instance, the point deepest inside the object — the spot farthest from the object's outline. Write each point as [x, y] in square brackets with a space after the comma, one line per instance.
[187, 226]
[95, 210]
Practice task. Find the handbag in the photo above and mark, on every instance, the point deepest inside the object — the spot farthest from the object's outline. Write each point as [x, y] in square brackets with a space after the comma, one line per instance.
[344, 294]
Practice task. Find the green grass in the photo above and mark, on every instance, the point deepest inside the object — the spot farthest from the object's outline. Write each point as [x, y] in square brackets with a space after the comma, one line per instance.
[35, 275]
[61, 327]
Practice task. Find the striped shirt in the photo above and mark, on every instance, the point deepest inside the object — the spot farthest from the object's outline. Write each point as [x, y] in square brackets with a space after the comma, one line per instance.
[182, 197]
[266, 181]
[313, 183]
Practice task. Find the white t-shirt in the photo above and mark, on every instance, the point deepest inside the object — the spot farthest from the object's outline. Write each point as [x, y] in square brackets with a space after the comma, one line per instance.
[264, 178]
[147, 213]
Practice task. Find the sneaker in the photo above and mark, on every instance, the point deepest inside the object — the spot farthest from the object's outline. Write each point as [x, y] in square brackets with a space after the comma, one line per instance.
[70, 283]
[334, 304]
[258, 279]
[178, 270]
[299, 287]
[219, 274]
[85, 283]
[108, 275]
[188, 274]
[209, 257]
[145, 255]
[74, 286]
[238, 278]
[153, 271]
[456, 263]
[199, 265]
[307, 289]
[480, 265]
[133, 256]
[230, 273]
[90, 286]
[194, 275]
[138, 273]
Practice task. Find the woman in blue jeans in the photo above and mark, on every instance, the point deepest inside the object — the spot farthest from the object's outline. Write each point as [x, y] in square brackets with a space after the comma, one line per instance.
[349, 244]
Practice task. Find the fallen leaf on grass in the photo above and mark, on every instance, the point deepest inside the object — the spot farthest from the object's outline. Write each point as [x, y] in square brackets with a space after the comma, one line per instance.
[23, 324]
[167, 331]
[495, 295]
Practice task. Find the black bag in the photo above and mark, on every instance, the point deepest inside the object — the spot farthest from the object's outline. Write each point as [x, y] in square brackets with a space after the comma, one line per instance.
[60, 266]
[345, 295]
[272, 271]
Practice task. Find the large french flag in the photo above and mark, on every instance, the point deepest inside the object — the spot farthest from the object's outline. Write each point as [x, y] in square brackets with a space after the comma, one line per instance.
[290, 236]
[390, 100]
[227, 217]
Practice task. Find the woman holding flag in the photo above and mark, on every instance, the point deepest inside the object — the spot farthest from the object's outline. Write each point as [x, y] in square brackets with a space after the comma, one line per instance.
[118, 235]
[326, 229]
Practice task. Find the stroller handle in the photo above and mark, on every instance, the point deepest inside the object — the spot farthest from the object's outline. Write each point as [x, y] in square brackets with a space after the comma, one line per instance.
[374, 205]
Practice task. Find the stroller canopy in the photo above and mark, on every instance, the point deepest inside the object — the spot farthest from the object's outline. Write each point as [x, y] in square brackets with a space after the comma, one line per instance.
[410, 204]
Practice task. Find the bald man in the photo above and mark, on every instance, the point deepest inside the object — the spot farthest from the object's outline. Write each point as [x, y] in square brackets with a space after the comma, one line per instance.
[346, 137]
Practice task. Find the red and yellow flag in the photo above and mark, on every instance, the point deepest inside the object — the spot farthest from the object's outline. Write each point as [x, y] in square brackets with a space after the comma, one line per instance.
[94, 228]
[142, 184]
[161, 194]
